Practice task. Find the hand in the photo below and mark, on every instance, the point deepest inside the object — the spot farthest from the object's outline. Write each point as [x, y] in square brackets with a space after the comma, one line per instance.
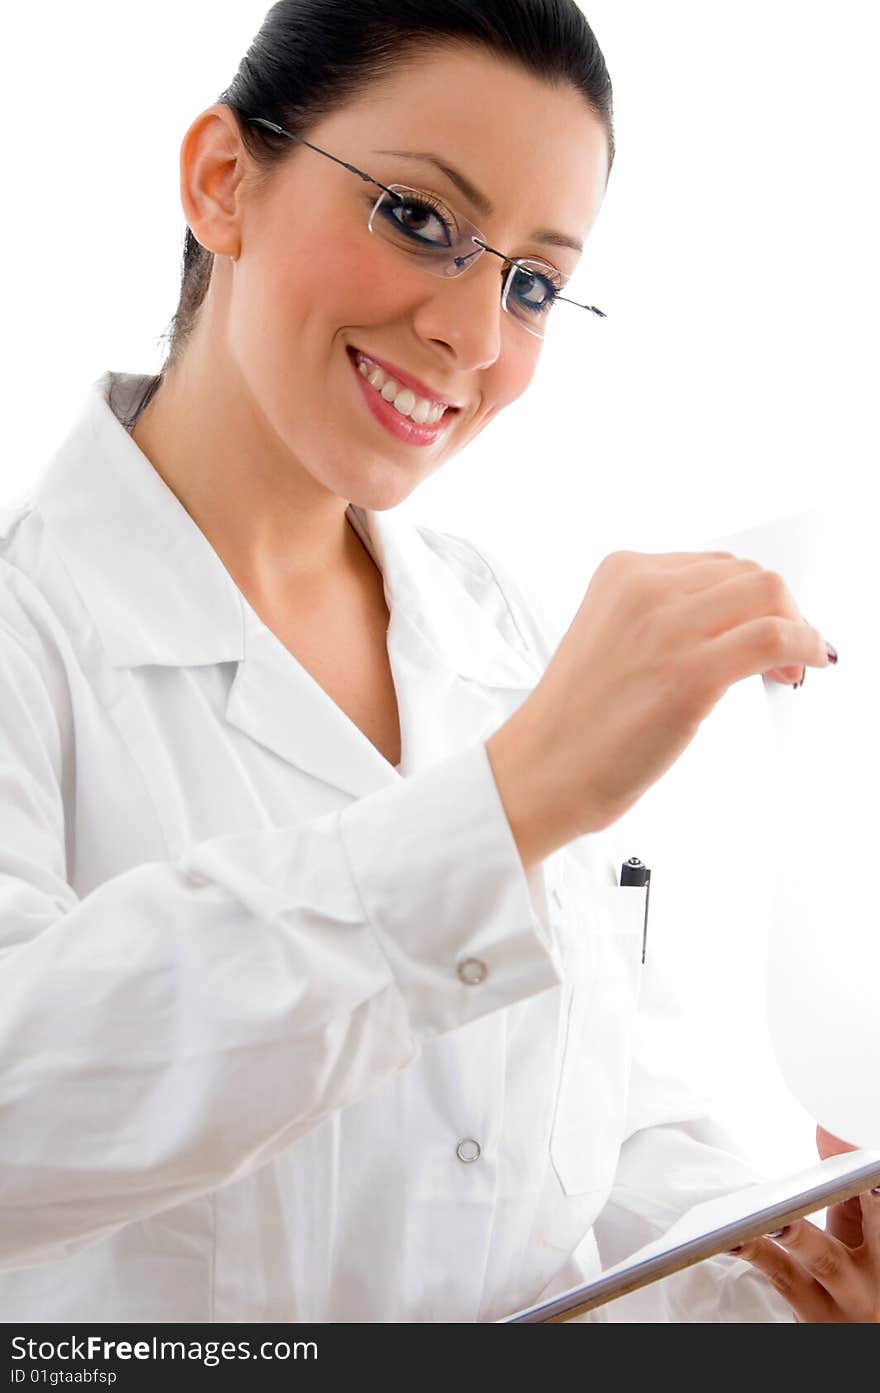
[830, 1275]
[843, 1220]
[655, 644]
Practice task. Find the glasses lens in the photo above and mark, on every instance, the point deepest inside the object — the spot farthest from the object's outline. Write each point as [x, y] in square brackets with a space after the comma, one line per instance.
[529, 294]
[422, 226]
[425, 228]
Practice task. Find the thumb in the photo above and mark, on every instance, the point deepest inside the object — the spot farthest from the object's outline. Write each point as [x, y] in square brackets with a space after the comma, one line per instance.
[844, 1221]
[829, 1145]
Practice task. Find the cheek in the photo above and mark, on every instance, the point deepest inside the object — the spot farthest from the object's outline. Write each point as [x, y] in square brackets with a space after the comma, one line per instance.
[340, 282]
[503, 383]
[513, 372]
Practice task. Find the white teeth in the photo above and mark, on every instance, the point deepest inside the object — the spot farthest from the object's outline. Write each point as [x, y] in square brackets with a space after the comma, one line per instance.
[404, 401]
[419, 409]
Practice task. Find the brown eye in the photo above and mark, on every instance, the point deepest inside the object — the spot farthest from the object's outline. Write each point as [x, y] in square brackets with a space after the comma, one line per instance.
[415, 216]
[419, 221]
[533, 291]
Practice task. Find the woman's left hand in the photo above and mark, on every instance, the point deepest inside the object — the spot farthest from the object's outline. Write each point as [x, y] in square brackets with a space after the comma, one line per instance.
[829, 1275]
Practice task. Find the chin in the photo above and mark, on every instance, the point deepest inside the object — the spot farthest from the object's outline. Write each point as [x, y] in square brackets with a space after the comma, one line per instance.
[382, 485]
[380, 498]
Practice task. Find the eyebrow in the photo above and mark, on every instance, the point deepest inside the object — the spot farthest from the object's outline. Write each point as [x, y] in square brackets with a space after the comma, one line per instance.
[479, 200]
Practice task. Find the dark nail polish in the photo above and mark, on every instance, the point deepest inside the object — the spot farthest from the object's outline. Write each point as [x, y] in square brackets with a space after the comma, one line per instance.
[876, 1190]
[734, 1251]
[831, 651]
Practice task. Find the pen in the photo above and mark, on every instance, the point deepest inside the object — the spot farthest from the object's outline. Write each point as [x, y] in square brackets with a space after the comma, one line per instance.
[635, 872]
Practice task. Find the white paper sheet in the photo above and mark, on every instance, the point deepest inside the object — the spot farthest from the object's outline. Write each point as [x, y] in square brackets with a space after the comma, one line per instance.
[824, 953]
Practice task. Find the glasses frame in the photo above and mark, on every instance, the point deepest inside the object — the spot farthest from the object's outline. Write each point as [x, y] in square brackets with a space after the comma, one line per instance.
[462, 263]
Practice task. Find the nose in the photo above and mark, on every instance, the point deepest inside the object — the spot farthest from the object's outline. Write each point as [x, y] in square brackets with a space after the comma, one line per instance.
[463, 313]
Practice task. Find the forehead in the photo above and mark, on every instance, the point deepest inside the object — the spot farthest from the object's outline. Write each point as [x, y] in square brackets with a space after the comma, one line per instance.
[536, 150]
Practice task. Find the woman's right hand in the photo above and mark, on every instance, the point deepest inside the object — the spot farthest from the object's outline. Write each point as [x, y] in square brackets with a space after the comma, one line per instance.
[655, 644]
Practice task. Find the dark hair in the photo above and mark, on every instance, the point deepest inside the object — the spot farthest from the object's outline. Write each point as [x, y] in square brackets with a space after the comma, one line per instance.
[310, 57]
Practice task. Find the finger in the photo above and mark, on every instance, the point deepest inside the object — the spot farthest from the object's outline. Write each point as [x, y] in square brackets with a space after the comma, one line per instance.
[828, 1261]
[692, 571]
[870, 1202]
[748, 603]
[723, 592]
[809, 1301]
[787, 676]
[797, 677]
[844, 1221]
[755, 646]
[746, 591]
[683, 558]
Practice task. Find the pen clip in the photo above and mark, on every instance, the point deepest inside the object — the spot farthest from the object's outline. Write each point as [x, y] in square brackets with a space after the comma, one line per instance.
[635, 872]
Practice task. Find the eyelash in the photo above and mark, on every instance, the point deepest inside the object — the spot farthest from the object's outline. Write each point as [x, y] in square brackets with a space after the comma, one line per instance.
[437, 208]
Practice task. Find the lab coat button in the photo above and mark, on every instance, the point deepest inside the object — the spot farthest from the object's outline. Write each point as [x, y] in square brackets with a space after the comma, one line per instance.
[472, 971]
[468, 1149]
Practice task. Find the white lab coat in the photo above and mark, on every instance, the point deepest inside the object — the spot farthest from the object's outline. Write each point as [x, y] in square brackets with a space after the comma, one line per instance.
[238, 1055]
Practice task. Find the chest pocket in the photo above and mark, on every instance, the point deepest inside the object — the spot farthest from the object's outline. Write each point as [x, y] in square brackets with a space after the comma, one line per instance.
[603, 925]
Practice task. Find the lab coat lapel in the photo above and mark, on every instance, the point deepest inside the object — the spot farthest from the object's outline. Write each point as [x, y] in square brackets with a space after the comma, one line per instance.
[426, 592]
[278, 703]
[455, 677]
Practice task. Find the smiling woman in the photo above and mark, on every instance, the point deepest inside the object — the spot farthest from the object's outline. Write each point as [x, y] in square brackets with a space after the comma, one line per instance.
[291, 265]
[321, 997]
[312, 59]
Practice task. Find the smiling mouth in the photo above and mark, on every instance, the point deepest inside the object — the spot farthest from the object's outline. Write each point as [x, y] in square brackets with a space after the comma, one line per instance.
[423, 411]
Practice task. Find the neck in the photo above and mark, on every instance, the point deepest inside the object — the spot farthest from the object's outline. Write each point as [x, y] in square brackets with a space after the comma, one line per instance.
[277, 530]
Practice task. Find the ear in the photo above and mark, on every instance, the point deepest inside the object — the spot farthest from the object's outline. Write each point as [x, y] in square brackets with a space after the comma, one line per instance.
[212, 167]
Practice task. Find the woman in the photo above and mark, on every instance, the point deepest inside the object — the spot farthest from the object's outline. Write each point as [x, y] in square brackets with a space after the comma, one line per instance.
[319, 986]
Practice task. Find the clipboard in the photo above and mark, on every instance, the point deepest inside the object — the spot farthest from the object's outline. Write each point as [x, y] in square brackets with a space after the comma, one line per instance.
[714, 1227]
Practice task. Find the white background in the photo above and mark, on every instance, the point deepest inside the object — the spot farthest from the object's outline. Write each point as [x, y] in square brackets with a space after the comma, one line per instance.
[735, 257]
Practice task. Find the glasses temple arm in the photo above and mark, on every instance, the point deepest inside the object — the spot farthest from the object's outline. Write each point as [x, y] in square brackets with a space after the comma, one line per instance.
[568, 300]
[279, 130]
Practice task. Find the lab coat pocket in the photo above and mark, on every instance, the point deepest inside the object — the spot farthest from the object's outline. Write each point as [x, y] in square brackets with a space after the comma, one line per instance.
[605, 942]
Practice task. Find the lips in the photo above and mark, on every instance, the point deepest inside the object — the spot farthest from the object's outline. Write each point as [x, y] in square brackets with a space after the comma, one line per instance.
[410, 419]
[406, 379]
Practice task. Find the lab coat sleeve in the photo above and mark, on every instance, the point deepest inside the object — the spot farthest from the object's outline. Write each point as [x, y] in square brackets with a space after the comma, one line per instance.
[186, 1021]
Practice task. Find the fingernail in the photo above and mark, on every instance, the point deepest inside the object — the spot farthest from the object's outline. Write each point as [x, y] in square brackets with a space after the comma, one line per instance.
[876, 1190]
[831, 651]
[778, 1233]
[734, 1251]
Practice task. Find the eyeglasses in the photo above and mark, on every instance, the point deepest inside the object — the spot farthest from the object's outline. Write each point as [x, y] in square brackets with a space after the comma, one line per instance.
[444, 243]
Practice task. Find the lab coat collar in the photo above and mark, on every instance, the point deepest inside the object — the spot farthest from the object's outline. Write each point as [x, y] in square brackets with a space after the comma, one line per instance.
[158, 593]
[154, 587]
